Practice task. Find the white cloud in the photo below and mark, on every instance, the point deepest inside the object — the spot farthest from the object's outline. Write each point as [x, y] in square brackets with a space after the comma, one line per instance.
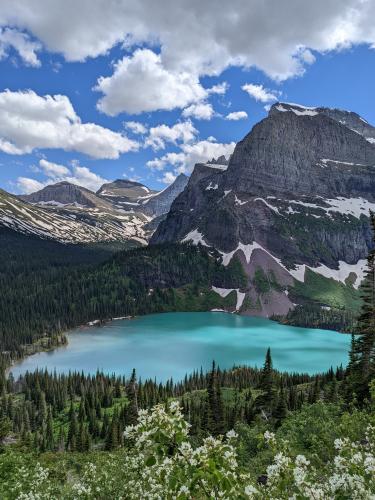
[199, 37]
[190, 154]
[21, 43]
[141, 83]
[236, 115]
[200, 111]
[29, 121]
[220, 88]
[136, 127]
[168, 178]
[26, 185]
[53, 169]
[180, 132]
[259, 93]
[76, 174]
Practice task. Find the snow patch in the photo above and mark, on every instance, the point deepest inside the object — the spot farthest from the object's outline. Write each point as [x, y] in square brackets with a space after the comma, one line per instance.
[341, 274]
[345, 206]
[247, 250]
[275, 209]
[195, 237]
[224, 292]
[297, 109]
[212, 186]
[370, 139]
[216, 165]
[237, 201]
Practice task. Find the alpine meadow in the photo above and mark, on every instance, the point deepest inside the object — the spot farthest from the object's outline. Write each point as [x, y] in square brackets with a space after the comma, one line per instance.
[187, 250]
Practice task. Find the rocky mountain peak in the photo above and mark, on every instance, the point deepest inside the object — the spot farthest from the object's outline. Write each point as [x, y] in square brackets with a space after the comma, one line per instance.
[61, 194]
[349, 119]
[295, 196]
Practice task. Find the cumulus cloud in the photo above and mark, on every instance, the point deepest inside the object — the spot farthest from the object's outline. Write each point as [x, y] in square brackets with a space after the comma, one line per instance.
[75, 174]
[259, 93]
[190, 154]
[141, 83]
[220, 88]
[168, 178]
[137, 128]
[180, 132]
[200, 111]
[53, 169]
[26, 185]
[199, 37]
[236, 115]
[25, 47]
[29, 121]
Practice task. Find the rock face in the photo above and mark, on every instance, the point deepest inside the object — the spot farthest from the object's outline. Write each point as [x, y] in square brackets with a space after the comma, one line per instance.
[134, 196]
[65, 194]
[71, 224]
[161, 202]
[296, 195]
[121, 210]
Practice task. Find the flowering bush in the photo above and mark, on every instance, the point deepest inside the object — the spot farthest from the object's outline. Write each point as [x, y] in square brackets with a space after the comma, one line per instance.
[159, 462]
[164, 465]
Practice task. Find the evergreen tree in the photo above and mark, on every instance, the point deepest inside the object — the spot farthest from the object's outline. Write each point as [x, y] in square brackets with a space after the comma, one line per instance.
[73, 429]
[281, 409]
[362, 354]
[132, 396]
[266, 400]
[215, 416]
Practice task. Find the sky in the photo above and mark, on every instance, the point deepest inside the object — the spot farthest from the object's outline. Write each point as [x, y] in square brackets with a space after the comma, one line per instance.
[95, 90]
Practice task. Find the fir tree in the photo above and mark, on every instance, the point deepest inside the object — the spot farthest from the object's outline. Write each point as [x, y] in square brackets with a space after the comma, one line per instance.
[132, 396]
[362, 354]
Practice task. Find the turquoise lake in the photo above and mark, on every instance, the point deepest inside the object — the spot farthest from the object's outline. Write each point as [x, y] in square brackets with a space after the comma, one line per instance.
[170, 345]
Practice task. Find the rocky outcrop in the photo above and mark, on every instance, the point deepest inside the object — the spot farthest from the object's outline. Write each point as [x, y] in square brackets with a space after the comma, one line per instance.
[160, 203]
[299, 187]
[64, 194]
[135, 197]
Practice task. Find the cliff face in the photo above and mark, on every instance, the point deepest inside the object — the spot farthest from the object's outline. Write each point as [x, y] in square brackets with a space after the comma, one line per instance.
[64, 193]
[295, 195]
[134, 196]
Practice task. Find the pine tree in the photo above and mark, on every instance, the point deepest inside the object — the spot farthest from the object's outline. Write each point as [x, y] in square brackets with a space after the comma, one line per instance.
[131, 394]
[49, 430]
[215, 412]
[361, 368]
[73, 429]
[266, 400]
[281, 409]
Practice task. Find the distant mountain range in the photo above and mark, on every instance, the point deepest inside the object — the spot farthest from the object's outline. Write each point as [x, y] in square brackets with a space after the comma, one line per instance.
[292, 205]
[121, 210]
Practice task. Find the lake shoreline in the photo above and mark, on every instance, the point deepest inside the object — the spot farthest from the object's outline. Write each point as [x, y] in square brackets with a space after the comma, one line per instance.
[245, 339]
[38, 347]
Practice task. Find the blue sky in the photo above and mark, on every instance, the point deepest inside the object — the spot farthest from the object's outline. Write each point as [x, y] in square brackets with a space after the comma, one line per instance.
[183, 99]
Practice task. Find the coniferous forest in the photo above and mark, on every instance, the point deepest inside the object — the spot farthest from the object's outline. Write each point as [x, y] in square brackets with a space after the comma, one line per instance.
[248, 433]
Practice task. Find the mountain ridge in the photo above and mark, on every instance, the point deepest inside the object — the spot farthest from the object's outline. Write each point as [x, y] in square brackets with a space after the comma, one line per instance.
[295, 196]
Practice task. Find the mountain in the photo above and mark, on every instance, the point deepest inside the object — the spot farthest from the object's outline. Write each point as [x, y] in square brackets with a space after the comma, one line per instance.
[125, 194]
[73, 224]
[292, 205]
[64, 194]
[134, 196]
[160, 203]
[122, 210]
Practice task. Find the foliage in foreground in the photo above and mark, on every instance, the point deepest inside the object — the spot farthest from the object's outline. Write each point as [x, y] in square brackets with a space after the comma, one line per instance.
[161, 463]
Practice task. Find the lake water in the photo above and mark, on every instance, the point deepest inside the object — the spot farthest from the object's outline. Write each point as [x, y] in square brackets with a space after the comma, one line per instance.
[173, 344]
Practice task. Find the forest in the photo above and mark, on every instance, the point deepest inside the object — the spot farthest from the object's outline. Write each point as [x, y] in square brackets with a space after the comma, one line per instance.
[48, 288]
[238, 433]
